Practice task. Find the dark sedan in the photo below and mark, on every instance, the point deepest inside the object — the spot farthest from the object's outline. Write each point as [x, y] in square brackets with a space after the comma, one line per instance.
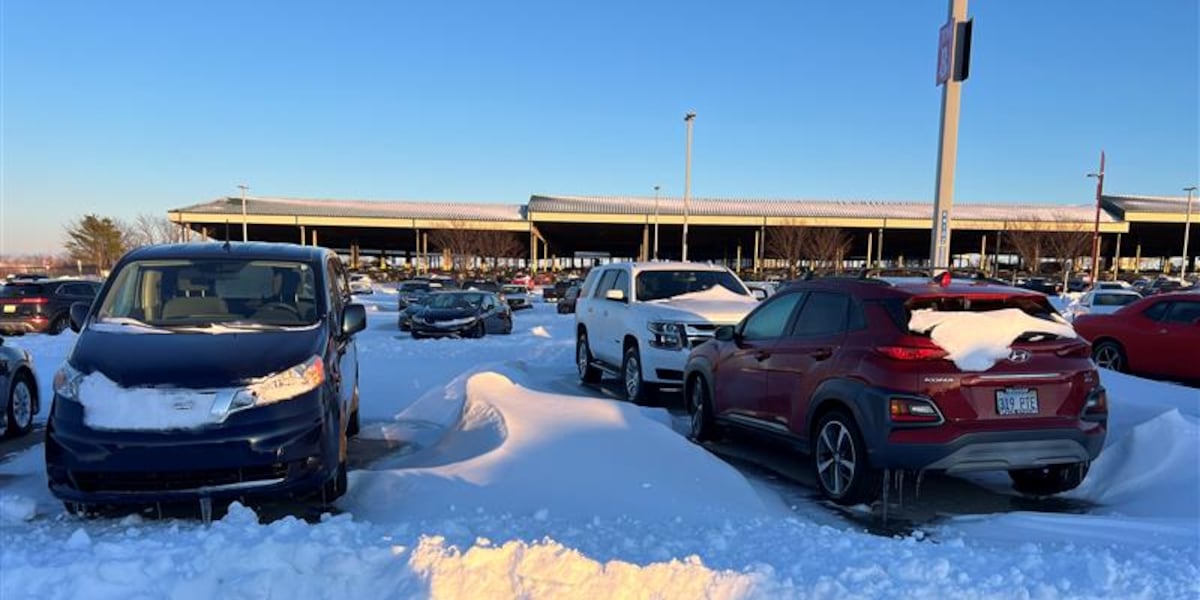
[18, 383]
[208, 371]
[462, 314]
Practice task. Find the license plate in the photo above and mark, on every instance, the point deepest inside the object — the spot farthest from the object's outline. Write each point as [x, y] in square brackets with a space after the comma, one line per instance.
[1019, 401]
[10, 308]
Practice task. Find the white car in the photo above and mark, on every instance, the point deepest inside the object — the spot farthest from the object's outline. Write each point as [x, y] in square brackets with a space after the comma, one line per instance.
[361, 283]
[1101, 302]
[516, 296]
[639, 321]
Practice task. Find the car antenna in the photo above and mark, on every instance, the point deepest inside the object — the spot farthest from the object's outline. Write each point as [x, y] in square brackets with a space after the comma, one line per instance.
[226, 246]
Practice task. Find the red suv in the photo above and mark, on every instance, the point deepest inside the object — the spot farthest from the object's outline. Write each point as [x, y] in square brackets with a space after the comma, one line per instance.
[831, 365]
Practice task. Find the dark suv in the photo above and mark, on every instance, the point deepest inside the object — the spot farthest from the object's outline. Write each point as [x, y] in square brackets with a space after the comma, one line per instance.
[41, 305]
[209, 371]
[832, 366]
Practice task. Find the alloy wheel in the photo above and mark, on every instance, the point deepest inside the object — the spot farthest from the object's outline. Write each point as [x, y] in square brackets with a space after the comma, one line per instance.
[1108, 357]
[633, 377]
[836, 460]
[697, 410]
[581, 356]
[22, 405]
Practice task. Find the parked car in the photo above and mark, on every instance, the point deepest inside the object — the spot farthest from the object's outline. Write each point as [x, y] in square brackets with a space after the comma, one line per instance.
[832, 366]
[1043, 285]
[27, 277]
[208, 370]
[361, 283]
[554, 293]
[1157, 336]
[471, 314]
[1163, 285]
[415, 292]
[516, 296]
[566, 305]
[639, 320]
[1101, 302]
[1105, 286]
[481, 285]
[41, 305]
[18, 383]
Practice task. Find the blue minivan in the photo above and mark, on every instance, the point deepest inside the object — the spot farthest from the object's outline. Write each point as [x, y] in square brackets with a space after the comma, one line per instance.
[226, 371]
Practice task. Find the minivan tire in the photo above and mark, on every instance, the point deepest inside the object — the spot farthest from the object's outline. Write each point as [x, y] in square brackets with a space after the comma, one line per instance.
[838, 439]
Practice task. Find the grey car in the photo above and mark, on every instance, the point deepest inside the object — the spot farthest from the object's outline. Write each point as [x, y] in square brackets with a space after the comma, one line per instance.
[19, 384]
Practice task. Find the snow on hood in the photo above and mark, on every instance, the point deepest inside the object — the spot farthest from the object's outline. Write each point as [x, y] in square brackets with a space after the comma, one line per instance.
[975, 341]
[716, 305]
[107, 405]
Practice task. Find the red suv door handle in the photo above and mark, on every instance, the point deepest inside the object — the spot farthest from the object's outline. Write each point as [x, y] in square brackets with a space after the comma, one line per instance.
[821, 353]
[762, 355]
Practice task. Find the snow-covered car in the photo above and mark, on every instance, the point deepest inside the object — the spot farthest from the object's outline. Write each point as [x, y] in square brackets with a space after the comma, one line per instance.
[472, 314]
[1101, 302]
[638, 320]
[361, 283]
[18, 382]
[516, 296]
[208, 370]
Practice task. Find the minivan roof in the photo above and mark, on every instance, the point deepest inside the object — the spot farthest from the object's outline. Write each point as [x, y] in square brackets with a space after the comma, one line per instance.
[244, 250]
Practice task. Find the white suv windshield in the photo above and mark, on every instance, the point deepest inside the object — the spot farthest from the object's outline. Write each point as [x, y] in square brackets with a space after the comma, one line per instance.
[187, 292]
[657, 285]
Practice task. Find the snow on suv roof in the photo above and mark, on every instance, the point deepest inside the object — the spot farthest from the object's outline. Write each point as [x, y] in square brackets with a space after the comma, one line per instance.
[670, 266]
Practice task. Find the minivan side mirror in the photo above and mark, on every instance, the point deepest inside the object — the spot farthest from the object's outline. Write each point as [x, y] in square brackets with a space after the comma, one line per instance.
[354, 319]
[79, 312]
[724, 333]
[615, 295]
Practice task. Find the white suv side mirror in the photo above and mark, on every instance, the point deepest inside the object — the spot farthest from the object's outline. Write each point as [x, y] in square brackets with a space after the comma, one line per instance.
[616, 295]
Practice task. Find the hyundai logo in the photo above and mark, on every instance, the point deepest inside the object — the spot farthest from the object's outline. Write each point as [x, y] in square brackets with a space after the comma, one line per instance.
[183, 405]
[1020, 356]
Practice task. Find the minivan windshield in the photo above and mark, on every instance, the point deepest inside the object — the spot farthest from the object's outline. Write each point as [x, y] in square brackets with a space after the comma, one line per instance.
[205, 292]
[658, 285]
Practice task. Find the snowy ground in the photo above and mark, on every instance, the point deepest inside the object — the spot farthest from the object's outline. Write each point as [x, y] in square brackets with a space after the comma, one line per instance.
[501, 477]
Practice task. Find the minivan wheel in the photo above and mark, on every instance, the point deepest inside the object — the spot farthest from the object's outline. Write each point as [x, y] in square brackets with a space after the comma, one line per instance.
[700, 412]
[1047, 481]
[840, 460]
[583, 360]
[20, 406]
[1109, 355]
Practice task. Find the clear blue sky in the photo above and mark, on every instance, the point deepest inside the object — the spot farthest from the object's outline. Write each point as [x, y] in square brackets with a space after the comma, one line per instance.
[121, 107]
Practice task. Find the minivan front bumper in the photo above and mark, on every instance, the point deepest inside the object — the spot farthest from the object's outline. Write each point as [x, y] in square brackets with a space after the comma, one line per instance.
[287, 449]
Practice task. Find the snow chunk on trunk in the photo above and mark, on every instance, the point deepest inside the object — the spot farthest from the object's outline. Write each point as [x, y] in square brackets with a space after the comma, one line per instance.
[975, 341]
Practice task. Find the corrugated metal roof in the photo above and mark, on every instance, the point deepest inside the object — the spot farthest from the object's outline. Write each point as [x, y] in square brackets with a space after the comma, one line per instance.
[642, 205]
[1157, 204]
[361, 208]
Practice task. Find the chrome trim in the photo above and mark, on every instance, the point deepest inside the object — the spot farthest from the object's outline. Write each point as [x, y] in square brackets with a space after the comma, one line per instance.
[1018, 376]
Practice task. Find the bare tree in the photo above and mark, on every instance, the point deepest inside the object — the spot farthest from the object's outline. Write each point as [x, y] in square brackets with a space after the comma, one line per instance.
[458, 241]
[493, 244]
[1031, 243]
[1067, 246]
[788, 243]
[148, 229]
[1039, 240]
[826, 246]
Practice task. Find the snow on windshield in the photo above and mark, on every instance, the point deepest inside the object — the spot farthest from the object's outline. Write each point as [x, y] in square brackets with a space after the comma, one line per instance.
[975, 341]
[713, 294]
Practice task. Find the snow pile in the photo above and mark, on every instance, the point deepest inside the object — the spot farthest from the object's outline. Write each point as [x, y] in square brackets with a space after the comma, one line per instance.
[975, 341]
[107, 405]
[16, 508]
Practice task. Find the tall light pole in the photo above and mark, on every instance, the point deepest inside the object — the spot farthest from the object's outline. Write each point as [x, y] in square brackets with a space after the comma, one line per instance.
[687, 181]
[1187, 228]
[954, 45]
[1096, 230]
[656, 188]
[245, 222]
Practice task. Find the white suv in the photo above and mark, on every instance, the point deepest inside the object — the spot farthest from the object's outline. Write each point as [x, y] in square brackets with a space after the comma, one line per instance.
[640, 320]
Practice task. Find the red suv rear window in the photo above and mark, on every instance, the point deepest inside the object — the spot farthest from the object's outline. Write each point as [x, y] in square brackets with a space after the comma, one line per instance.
[1034, 306]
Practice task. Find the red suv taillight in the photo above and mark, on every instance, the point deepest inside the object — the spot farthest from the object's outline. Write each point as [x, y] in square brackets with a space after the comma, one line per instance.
[913, 410]
[913, 349]
[1096, 405]
[34, 300]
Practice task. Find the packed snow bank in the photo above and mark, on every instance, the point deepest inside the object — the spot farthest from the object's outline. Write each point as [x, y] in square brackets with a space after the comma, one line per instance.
[975, 341]
[526, 452]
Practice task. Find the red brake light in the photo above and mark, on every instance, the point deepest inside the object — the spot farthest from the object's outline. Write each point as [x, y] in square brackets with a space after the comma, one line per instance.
[943, 279]
[34, 300]
[911, 352]
[911, 410]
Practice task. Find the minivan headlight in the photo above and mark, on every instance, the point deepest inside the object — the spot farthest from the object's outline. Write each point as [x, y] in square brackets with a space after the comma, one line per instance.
[66, 382]
[284, 385]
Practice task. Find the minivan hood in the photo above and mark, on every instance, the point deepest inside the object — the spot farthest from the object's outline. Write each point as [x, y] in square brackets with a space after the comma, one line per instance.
[716, 305]
[193, 360]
